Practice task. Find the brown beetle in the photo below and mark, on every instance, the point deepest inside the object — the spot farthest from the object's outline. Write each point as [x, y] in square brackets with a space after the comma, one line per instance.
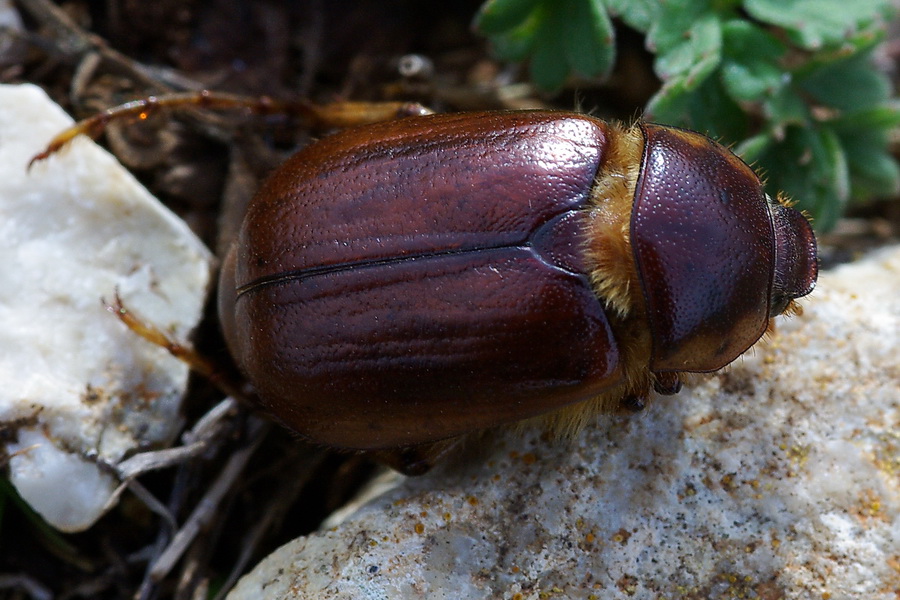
[403, 283]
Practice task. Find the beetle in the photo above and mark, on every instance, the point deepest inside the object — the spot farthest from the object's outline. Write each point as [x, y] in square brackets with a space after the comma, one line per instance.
[397, 285]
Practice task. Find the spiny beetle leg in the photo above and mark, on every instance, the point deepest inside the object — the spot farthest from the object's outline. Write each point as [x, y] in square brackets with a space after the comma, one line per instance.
[331, 115]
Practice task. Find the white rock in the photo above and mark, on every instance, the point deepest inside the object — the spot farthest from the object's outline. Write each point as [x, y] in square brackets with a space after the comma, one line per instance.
[779, 478]
[74, 382]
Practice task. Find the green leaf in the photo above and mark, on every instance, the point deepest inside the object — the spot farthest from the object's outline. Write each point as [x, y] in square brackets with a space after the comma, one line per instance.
[548, 68]
[637, 14]
[707, 109]
[498, 16]
[885, 116]
[515, 45]
[786, 107]
[750, 64]
[823, 166]
[855, 43]
[847, 85]
[696, 56]
[674, 22]
[751, 81]
[874, 171]
[669, 104]
[865, 136]
[743, 39]
[831, 168]
[589, 39]
[685, 68]
[558, 36]
[710, 110]
[814, 24]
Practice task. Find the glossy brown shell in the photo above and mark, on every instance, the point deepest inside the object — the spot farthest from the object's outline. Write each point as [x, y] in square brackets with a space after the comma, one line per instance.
[412, 281]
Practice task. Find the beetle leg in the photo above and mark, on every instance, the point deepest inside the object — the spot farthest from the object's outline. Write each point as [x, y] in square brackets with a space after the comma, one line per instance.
[193, 359]
[414, 460]
[330, 115]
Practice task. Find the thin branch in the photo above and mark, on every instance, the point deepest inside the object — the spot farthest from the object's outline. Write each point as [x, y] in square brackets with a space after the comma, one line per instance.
[31, 586]
[207, 506]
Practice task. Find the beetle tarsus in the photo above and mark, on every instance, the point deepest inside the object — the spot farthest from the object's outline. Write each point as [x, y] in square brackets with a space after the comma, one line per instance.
[634, 402]
[414, 460]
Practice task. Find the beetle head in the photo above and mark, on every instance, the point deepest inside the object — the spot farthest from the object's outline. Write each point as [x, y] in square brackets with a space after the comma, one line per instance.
[796, 263]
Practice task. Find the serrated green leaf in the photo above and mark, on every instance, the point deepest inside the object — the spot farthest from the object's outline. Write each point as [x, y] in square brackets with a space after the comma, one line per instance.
[558, 36]
[785, 170]
[589, 37]
[694, 77]
[498, 16]
[855, 43]
[816, 23]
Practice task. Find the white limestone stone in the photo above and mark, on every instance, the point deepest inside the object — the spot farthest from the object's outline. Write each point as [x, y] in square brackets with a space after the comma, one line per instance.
[75, 384]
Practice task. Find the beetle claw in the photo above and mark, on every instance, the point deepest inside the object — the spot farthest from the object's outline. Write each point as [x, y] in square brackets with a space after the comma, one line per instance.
[667, 384]
[635, 402]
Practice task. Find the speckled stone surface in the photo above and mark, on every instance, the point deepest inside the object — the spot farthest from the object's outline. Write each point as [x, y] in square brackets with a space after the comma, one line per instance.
[76, 386]
[778, 478]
